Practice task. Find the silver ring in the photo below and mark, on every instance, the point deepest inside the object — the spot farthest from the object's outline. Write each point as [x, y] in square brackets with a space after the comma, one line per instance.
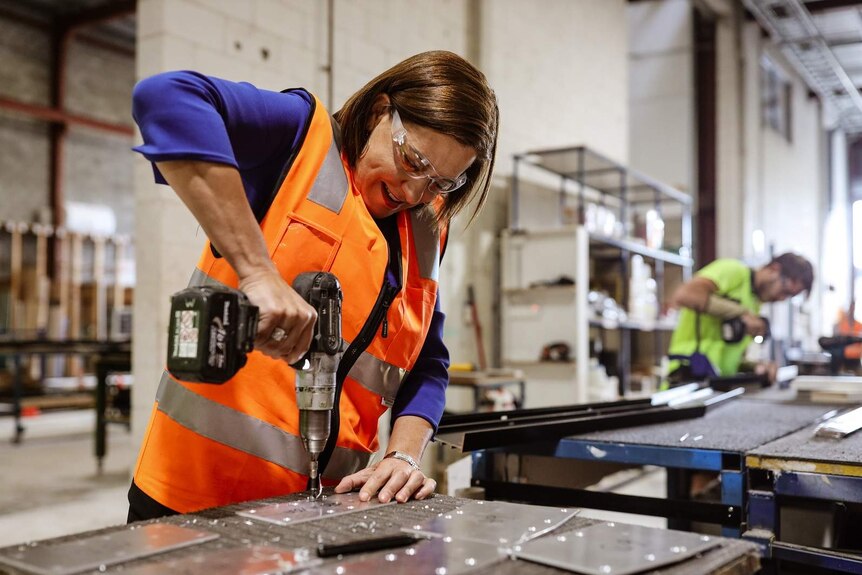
[277, 334]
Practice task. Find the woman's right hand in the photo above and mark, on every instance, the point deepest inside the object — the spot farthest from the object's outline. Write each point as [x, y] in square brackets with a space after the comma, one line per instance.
[285, 320]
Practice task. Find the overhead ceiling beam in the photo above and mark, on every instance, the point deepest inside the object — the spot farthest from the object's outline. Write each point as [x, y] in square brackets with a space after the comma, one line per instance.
[795, 12]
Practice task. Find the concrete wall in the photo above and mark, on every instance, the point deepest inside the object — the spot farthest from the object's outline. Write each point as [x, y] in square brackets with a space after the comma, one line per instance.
[661, 91]
[561, 82]
[99, 84]
[24, 61]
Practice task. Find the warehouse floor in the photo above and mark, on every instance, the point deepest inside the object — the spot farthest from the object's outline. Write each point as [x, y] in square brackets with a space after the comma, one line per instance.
[49, 486]
[48, 483]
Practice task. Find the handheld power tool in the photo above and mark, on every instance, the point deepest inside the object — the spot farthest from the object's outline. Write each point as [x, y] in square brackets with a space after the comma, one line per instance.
[733, 330]
[212, 330]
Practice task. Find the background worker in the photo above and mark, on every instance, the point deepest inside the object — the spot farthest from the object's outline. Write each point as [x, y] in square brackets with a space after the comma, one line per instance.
[262, 173]
[723, 291]
[847, 324]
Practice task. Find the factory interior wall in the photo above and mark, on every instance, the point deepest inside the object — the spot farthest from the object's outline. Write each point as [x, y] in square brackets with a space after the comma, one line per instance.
[732, 118]
[782, 182]
[763, 181]
[98, 85]
[661, 91]
[562, 83]
[567, 52]
[661, 101]
[25, 160]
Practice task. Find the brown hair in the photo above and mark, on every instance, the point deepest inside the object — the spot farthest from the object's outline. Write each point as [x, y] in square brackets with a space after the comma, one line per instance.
[795, 267]
[441, 91]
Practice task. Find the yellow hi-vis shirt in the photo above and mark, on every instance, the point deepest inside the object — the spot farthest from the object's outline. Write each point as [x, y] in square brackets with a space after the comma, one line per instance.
[733, 279]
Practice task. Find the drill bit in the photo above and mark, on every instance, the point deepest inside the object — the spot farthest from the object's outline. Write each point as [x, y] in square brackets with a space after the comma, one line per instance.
[314, 480]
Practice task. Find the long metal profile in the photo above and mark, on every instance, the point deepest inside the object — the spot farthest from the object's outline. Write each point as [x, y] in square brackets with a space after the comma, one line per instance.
[491, 437]
[516, 414]
[484, 432]
[830, 559]
[448, 426]
[561, 411]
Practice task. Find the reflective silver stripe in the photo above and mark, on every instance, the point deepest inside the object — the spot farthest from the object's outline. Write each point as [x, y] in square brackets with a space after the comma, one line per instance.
[336, 133]
[426, 240]
[377, 376]
[199, 278]
[246, 433]
[330, 186]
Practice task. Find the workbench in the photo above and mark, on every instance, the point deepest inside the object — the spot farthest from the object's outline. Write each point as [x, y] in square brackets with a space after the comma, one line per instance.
[803, 467]
[729, 557]
[109, 357]
[716, 442]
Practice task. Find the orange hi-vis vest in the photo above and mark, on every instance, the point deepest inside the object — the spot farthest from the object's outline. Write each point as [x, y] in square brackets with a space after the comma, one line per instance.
[847, 325]
[210, 445]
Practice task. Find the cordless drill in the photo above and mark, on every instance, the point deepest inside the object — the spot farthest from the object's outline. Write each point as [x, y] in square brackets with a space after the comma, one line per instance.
[734, 330]
[212, 330]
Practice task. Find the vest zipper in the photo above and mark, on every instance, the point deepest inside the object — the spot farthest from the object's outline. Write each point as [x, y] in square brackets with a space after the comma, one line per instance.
[366, 334]
[357, 346]
[385, 331]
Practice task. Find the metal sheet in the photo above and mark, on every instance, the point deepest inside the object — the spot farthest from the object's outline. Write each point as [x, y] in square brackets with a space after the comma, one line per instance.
[841, 426]
[292, 512]
[255, 560]
[615, 549]
[439, 556]
[101, 551]
[495, 522]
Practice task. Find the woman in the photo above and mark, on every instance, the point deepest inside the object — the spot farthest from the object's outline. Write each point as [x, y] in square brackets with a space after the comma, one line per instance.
[281, 188]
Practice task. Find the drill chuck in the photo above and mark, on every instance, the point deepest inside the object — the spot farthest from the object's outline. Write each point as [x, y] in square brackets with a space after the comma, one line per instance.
[315, 397]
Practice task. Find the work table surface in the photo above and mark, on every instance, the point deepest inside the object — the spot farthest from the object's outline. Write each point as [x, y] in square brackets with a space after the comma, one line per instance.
[730, 557]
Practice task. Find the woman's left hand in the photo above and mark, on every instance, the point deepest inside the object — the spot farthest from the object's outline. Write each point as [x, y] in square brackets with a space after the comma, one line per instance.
[387, 479]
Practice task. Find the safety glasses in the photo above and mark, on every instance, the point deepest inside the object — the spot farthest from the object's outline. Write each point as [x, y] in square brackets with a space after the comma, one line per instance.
[416, 165]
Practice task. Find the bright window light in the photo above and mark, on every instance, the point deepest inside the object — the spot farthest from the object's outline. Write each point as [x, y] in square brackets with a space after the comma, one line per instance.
[758, 242]
[857, 234]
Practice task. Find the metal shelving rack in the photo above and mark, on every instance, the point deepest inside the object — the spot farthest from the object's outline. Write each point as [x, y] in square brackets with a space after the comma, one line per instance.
[587, 176]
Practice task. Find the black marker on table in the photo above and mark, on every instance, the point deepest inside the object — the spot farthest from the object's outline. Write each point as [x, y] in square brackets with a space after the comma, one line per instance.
[363, 545]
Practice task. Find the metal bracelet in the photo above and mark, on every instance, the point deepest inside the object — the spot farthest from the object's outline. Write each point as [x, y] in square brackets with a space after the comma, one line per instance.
[403, 457]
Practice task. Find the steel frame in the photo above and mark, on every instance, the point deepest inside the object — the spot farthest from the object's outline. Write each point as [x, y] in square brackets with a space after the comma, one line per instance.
[728, 511]
[764, 510]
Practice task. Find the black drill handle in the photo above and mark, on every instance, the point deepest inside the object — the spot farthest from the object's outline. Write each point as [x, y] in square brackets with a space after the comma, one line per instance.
[323, 292]
[734, 330]
[838, 342]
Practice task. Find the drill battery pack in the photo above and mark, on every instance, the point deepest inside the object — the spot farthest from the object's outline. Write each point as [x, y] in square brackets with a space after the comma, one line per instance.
[212, 329]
